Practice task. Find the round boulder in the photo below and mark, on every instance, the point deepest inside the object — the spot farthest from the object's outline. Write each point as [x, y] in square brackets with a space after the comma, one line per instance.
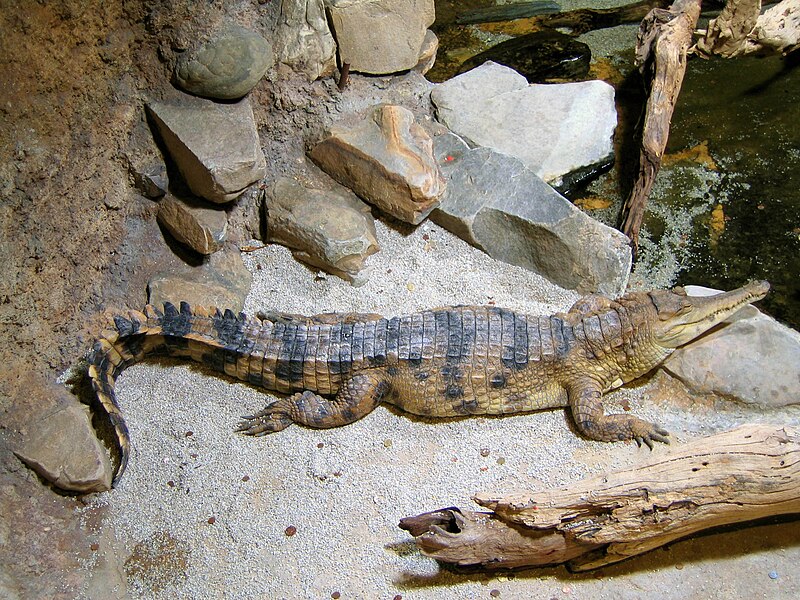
[226, 67]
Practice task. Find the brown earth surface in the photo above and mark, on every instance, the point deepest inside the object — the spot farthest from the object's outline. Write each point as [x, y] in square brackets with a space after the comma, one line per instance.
[78, 240]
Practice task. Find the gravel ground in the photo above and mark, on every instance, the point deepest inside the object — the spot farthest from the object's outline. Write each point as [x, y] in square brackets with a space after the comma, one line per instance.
[308, 513]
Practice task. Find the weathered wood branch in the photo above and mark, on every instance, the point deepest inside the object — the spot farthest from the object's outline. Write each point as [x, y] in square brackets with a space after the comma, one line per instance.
[741, 475]
[741, 29]
[661, 50]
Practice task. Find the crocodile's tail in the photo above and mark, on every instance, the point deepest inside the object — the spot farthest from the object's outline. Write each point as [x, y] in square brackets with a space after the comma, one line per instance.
[188, 332]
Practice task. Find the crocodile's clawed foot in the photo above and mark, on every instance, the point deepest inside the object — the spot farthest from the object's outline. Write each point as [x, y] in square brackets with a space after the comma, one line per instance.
[267, 421]
[647, 433]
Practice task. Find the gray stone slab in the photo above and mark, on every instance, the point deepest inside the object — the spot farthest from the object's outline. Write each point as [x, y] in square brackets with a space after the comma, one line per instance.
[215, 146]
[553, 129]
[752, 358]
[499, 205]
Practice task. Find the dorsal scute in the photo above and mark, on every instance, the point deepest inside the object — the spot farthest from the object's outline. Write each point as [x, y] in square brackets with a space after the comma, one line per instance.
[152, 313]
[125, 327]
[170, 310]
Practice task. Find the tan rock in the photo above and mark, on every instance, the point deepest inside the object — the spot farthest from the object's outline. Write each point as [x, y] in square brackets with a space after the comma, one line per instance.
[387, 159]
[427, 53]
[326, 229]
[61, 445]
[303, 40]
[194, 223]
[222, 281]
[380, 36]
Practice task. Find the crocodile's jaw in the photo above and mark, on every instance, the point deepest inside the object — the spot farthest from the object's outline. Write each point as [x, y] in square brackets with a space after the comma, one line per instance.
[683, 318]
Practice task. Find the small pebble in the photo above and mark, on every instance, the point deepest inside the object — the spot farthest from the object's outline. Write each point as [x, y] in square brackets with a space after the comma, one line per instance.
[679, 566]
[410, 287]
[387, 443]
[495, 593]
[212, 520]
[189, 433]
[773, 574]
[193, 455]
[336, 595]
[398, 597]
[501, 461]
[95, 547]
[290, 531]
[171, 483]
[246, 478]
[320, 445]
[484, 452]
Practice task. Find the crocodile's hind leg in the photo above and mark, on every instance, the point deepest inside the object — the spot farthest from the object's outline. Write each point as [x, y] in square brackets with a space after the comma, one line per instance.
[587, 410]
[357, 396]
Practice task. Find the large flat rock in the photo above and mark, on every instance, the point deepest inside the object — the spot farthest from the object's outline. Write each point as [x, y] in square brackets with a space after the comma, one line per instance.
[554, 129]
[215, 146]
[499, 205]
[751, 358]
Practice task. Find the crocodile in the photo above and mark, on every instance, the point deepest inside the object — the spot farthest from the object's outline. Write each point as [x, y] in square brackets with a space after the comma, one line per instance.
[333, 369]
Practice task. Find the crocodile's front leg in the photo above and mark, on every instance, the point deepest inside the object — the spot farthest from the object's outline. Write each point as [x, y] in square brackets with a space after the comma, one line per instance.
[357, 396]
[587, 410]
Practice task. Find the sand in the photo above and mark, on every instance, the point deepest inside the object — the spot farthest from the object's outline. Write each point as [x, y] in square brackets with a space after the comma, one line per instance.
[216, 505]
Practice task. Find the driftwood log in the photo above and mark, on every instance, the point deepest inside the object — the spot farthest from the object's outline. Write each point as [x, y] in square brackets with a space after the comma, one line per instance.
[662, 46]
[746, 474]
[741, 29]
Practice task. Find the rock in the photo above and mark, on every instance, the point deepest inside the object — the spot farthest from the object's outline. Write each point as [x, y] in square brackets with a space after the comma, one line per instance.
[387, 159]
[380, 36]
[554, 129]
[326, 229]
[194, 223]
[303, 40]
[215, 146]
[540, 57]
[753, 359]
[226, 67]
[427, 53]
[222, 280]
[151, 180]
[144, 162]
[496, 203]
[61, 446]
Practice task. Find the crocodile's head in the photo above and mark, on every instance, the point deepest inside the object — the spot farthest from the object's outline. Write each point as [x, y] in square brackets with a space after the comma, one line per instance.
[682, 318]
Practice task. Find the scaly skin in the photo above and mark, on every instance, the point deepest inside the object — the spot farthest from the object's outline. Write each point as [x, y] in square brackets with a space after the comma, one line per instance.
[456, 361]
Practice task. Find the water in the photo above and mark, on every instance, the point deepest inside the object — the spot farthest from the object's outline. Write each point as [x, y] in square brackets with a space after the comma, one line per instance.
[748, 111]
[726, 214]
